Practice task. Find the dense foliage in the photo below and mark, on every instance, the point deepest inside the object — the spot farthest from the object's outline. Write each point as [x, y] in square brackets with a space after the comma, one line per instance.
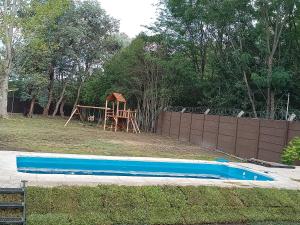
[57, 47]
[292, 152]
[244, 52]
[232, 54]
[220, 54]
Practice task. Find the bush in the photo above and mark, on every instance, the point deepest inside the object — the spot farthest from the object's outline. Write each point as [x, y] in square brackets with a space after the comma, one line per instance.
[292, 152]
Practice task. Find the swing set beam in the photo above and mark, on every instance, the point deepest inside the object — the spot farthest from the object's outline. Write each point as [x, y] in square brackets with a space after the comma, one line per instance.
[76, 110]
[90, 107]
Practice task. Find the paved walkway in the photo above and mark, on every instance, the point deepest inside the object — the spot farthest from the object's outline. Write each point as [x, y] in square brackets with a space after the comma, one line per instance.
[10, 177]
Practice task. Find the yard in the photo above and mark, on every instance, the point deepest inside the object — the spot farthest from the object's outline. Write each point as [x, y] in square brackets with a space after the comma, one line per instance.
[151, 205]
[41, 134]
[197, 61]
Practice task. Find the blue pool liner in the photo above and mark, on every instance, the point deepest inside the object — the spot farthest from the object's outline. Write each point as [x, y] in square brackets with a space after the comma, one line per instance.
[108, 167]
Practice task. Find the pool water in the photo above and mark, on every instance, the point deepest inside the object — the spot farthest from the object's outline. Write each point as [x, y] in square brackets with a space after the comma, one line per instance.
[108, 167]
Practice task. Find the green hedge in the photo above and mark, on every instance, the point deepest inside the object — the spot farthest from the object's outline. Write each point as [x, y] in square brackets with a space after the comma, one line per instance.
[105, 205]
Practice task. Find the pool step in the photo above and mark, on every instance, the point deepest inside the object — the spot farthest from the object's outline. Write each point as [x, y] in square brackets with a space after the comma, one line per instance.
[12, 220]
[14, 205]
[11, 205]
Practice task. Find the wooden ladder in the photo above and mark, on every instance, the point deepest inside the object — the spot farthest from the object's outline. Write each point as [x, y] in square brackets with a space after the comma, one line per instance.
[135, 126]
[113, 122]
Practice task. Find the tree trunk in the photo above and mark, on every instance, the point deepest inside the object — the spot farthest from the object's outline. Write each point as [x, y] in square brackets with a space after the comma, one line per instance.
[3, 95]
[62, 94]
[249, 91]
[9, 9]
[272, 105]
[203, 60]
[271, 49]
[78, 96]
[31, 109]
[269, 91]
[50, 90]
[61, 108]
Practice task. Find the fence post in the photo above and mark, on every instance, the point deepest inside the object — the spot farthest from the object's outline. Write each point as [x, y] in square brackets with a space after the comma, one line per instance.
[179, 125]
[161, 122]
[170, 125]
[286, 141]
[190, 128]
[236, 135]
[258, 139]
[204, 116]
[217, 144]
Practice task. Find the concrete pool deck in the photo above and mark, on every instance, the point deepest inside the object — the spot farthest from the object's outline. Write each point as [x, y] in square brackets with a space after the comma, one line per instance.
[10, 177]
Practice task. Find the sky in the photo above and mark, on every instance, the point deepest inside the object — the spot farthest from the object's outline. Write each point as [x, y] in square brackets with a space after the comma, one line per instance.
[131, 13]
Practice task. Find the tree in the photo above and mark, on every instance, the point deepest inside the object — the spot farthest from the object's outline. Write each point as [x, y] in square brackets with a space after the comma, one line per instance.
[184, 27]
[88, 33]
[33, 86]
[239, 31]
[40, 26]
[144, 73]
[69, 44]
[32, 71]
[273, 20]
[15, 21]
[247, 60]
[227, 54]
[8, 13]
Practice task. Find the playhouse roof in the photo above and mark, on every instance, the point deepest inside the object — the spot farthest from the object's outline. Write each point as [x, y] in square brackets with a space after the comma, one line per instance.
[116, 96]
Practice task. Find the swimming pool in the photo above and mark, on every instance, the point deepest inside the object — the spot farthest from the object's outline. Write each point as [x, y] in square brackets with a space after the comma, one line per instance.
[109, 167]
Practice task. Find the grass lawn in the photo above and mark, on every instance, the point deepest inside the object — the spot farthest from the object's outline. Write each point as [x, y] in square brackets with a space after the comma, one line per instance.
[107, 205]
[41, 134]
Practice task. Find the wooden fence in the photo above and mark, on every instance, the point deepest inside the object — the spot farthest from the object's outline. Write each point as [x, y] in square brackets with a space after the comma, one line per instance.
[243, 137]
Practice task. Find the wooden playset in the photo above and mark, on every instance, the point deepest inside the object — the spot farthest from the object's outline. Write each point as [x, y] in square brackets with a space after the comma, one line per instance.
[116, 117]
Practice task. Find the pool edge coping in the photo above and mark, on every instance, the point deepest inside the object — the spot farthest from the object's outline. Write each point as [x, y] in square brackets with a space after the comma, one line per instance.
[12, 176]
